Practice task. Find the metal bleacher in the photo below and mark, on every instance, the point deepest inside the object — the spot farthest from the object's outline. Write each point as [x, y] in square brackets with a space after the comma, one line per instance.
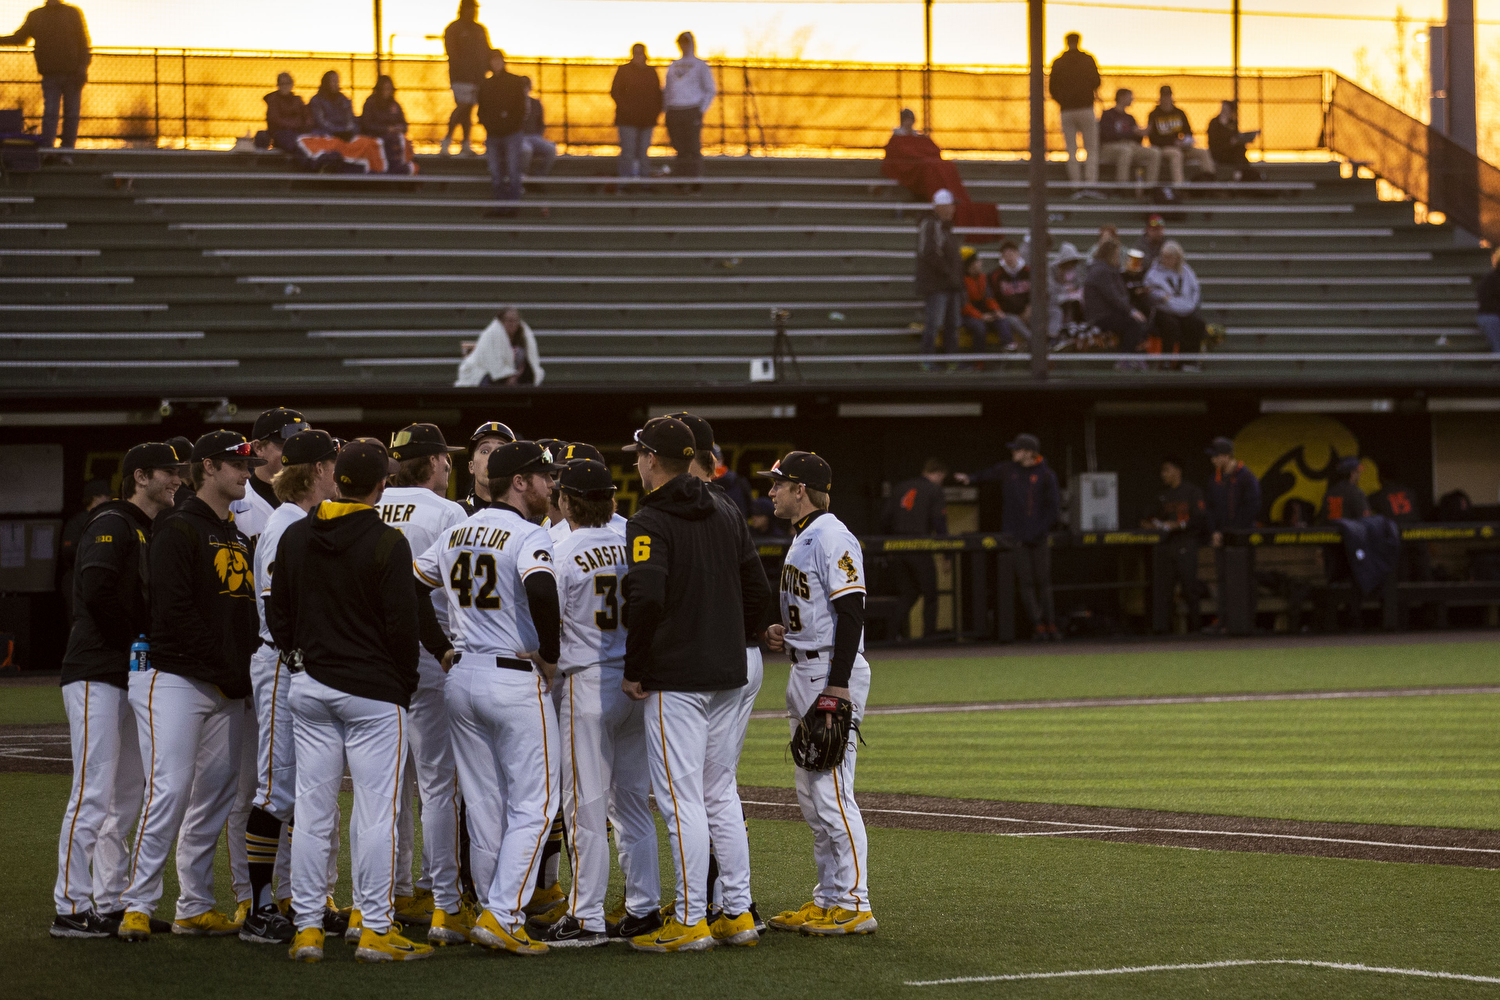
[160, 270]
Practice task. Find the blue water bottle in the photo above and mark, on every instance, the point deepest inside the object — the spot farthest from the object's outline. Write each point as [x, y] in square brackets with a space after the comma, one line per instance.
[140, 655]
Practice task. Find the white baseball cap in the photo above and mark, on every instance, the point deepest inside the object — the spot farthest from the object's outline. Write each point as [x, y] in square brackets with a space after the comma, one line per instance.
[942, 197]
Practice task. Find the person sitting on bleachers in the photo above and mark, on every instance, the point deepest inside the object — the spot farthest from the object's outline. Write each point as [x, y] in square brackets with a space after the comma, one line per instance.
[540, 153]
[332, 111]
[915, 162]
[382, 114]
[506, 354]
[287, 116]
[1227, 144]
[981, 314]
[1172, 136]
[1106, 303]
[1120, 142]
[1065, 290]
[1176, 295]
[1010, 284]
[1153, 239]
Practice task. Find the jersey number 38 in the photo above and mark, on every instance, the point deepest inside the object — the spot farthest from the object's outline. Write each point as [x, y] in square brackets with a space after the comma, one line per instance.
[462, 578]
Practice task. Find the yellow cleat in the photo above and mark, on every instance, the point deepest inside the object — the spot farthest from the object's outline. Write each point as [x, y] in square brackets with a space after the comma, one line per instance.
[307, 946]
[545, 900]
[738, 931]
[838, 921]
[210, 924]
[416, 908]
[356, 927]
[791, 920]
[284, 907]
[135, 927]
[451, 928]
[241, 912]
[673, 936]
[389, 947]
[489, 933]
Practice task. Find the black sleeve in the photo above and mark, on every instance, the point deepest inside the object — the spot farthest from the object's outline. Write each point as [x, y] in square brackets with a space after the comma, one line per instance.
[849, 626]
[434, 639]
[992, 474]
[398, 601]
[541, 594]
[104, 554]
[645, 595]
[755, 591]
[174, 575]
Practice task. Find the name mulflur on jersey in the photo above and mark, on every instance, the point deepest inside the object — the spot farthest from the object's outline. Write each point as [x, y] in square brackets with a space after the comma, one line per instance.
[478, 536]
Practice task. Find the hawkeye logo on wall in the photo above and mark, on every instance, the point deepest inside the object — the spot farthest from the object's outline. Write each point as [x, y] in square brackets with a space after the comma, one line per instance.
[236, 578]
[1295, 455]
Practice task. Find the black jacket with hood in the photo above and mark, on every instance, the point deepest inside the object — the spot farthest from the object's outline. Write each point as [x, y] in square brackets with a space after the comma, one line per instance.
[343, 600]
[109, 594]
[695, 587]
[203, 620]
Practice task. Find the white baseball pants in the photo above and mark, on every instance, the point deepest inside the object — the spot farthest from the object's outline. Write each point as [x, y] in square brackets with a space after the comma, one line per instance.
[329, 726]
[506, 745]
[719, 775]
[275, 762]
[104, 801]
[827, 797]
[684, 731]
[244, 798]
[603, 735]
[189, 736]
[436, 778]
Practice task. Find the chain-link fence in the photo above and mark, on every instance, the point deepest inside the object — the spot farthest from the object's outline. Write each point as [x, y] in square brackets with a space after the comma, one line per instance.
[177, 97]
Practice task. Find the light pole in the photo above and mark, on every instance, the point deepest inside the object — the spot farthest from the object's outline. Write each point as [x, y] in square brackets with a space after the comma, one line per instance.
[1236, 32]
[379, 37]
[927, 67]
[1038, 178]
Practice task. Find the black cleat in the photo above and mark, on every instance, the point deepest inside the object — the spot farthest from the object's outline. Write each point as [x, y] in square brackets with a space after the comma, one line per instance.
[80, 925]
[634, 926]
[267, 926]
[335, 923]
[760, 925]
[569, 932]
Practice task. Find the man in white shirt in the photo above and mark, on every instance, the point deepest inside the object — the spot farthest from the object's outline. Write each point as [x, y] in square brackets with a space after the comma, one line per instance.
[687, 96]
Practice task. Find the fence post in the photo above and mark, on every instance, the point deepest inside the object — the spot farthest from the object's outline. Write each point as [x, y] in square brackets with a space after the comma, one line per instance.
[565, 101]
[156, 92]
[723, 119]
[184, 100]
[1260, 103]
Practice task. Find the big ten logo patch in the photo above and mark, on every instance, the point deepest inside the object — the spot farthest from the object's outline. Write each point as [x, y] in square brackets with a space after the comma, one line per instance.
[1295, 455]
[233, 566]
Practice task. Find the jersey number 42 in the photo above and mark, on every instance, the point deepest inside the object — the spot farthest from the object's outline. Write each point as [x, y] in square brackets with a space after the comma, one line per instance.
[462, 578]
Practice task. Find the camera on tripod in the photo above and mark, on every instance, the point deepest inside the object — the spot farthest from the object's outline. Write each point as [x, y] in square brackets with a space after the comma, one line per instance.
[780, 316]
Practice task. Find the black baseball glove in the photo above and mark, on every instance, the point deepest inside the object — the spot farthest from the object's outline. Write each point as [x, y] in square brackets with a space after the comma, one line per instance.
[822, 736]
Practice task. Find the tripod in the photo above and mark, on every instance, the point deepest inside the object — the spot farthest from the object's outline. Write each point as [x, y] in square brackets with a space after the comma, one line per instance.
[782, 352]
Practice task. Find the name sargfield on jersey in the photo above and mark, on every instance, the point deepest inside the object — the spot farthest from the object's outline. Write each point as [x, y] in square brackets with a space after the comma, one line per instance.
[599, 557]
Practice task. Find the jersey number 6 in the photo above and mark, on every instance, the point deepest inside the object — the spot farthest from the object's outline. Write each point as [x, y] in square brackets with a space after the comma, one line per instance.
[462, 580]
[609, 618]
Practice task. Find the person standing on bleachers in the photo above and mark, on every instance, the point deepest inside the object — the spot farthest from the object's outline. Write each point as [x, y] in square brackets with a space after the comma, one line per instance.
[62, 56]
[940, 274]
[1170, 134]
[689, 93]
[502, 112]
[636, 91]
[1120, 138]
[1074, 79]
[467, 45]
[1489, 303]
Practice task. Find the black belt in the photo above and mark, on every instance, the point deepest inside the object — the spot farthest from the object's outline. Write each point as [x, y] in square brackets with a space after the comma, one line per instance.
[805, 656]
[503, 662]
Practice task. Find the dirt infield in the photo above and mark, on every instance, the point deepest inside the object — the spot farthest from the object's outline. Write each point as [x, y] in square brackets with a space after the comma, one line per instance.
[1362, 841]
[36, 749]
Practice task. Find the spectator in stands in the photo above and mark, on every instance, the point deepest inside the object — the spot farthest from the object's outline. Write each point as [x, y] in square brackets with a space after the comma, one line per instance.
[637, 94]
[382, 115]
[1172, 137]
[1343, 498]
[1029, 509]
[62, 57]
[1106, 302]
[1154, 239]
[540, 152]
[1182, 514]
[332, 111]
[467, 45]
[1489, 303]
[917, 508]
[1227, 144]
[1108, 231]
[908, 123]
[1176, 295]
[506, 353]
[981, 313]
[1133, 274]
[940, 274]
[1065, 289]
[1010, 284]
[689, 92]
[502, 112]
[764, 524]
[1120, 142]
[1073, 82]
[286, 115]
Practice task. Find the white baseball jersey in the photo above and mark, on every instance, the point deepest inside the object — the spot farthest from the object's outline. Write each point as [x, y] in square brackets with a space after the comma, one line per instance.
[591, 566]
[480, 566]
[252, 513]
[823, 563]
[421, 515]
[562, 529]
[280, 519]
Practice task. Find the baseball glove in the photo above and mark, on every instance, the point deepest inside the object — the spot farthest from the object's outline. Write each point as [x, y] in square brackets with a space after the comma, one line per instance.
[822, 735]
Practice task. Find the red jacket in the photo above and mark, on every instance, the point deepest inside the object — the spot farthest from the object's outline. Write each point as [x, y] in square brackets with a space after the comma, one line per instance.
[978, 299]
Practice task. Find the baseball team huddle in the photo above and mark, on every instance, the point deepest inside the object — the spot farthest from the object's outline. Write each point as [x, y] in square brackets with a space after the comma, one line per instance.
[527, 670]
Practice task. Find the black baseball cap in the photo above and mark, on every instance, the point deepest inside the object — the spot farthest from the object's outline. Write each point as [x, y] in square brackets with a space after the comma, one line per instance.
[419, 441]
[278, 422]
[586, 478]
[1024, 442]
[554, 448]
[361, 465]
[491, 428]
[516, 457]
[182, 446]
[225, 444]
[151, 455]
[1220, 446]
[803, 468]
[665, 436]
[1348, 465]
[577, 452]
[703, 431]
[309, 446]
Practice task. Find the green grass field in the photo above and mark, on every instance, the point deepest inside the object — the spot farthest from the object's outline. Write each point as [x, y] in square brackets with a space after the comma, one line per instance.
[953, 904]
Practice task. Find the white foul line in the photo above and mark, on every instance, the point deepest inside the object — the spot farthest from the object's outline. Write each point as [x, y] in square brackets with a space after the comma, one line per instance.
[1348, 966]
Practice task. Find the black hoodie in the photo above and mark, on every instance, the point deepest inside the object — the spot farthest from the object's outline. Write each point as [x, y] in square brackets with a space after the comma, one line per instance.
[694, 588]
[342, 599]
[109, 594]
[203, 620]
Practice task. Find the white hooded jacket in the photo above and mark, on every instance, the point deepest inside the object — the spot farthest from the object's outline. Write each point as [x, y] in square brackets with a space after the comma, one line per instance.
[493, 356]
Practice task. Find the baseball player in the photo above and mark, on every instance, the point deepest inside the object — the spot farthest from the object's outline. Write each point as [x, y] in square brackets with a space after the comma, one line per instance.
[486, 438]
[305, 480]
[823, 628]
[110, 611]
[571, 453]
[695, 580]
[718, 772]
[268, 437]
[189, 699]
[496, 573]
[418, 508]
[343, 612]
[603, 732]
